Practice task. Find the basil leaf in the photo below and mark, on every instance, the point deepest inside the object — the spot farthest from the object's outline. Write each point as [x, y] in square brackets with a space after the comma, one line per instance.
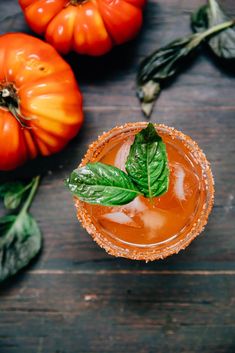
[10, 187]
[20, 241]
[102, 184]
[12, 194]
[166, 62]
[207, 16]
[12, 200]
[147, 163]
[160, 66]
[199, 19]
[20, 237]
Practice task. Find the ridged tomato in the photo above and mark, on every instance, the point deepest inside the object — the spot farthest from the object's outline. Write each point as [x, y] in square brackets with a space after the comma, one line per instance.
[40, 102]
[86, 26]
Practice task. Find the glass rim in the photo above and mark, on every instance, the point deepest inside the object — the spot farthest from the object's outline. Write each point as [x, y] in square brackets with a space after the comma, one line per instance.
[149, 252]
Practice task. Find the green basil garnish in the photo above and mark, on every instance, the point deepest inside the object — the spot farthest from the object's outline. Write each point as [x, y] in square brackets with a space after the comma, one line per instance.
[147, 174]
[102, 184]
[147, 163]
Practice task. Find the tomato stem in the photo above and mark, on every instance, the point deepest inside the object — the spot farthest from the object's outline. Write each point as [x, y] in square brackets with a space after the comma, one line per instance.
[76, 2]
[9, 100]
[5, 93]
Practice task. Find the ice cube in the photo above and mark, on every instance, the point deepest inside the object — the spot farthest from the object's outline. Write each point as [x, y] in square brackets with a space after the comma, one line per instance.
[153, 219]
[135, 206]
[120, 218]
[122, 154]
[179, 182]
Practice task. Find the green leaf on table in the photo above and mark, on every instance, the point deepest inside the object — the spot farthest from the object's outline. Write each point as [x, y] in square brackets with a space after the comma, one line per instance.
[20, 241]
[207, 16]
[159, 67]
[167, 62]
[102, 184]
[12, 194]
[20, 237]
[10, 187]
[147, 163]
[199, 19]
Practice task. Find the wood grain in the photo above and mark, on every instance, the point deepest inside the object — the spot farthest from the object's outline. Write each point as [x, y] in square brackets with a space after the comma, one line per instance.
[119, 312]
[75, 298]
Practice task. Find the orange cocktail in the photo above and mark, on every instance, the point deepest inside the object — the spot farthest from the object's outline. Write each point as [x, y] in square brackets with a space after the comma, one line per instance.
[151, 228]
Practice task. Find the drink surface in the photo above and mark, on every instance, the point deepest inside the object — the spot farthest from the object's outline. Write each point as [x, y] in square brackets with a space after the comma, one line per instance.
[145, 222]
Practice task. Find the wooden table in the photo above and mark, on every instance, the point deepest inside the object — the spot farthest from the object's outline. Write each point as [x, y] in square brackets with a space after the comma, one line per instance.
[75, 298]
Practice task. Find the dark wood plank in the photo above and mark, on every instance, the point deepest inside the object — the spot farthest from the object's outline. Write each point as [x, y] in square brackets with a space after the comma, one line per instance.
[131, 312]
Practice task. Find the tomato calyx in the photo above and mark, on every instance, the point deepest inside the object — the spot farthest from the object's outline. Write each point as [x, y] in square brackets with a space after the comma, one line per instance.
[76, 2]
[9, 99]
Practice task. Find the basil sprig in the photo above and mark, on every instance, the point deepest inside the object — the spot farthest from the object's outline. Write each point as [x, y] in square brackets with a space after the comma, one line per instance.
[20, 236]
[147, 174]
[156, 69]
[13, 193]
[207, 16]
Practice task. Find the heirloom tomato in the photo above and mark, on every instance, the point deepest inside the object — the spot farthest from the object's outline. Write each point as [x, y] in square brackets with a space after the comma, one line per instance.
[89, 27]
[40, 102]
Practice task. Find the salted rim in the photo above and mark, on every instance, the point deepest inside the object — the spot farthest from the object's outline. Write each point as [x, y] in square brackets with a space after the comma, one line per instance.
[152, 253]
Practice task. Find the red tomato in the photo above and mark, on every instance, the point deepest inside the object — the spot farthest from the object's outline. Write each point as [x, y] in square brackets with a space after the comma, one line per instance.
[40, 102]
[87, 26]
